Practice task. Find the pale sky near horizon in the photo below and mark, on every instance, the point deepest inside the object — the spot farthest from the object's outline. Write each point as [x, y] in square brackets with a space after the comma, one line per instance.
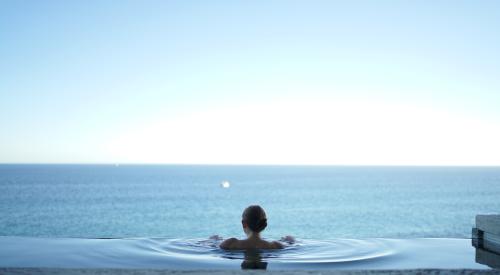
[250, 82]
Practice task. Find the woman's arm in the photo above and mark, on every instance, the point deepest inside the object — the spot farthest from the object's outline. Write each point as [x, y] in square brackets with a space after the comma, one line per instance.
[288, 239]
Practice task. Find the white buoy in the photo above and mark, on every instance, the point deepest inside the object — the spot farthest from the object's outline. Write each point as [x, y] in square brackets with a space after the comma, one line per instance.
[225, 184]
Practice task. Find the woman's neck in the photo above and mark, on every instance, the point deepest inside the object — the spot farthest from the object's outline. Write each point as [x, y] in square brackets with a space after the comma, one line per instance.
[253, 235]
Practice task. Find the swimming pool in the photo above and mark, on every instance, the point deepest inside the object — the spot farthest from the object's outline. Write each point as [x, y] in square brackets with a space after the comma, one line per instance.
[189, 254]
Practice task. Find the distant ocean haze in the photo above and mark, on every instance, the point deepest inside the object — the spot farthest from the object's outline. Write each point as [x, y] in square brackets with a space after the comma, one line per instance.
[194, 201]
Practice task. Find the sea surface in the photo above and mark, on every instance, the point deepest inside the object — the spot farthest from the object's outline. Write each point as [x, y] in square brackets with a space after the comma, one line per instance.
[190, 201]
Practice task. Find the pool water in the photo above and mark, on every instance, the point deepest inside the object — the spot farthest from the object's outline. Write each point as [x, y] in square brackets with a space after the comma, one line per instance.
[371, 253]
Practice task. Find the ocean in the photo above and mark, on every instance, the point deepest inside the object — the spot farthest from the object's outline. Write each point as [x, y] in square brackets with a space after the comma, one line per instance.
[191, 201]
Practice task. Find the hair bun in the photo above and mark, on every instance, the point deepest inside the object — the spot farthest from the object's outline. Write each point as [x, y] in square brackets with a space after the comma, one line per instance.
[261, 225]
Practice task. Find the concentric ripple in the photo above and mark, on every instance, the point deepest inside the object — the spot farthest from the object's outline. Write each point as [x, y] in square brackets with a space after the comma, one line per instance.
[304, 251]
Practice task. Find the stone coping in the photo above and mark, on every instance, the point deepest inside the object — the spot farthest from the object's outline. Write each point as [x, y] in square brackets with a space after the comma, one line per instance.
[111, 271]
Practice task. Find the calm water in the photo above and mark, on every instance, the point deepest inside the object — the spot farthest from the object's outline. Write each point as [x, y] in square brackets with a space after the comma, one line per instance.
[316, 202]
[205, 254]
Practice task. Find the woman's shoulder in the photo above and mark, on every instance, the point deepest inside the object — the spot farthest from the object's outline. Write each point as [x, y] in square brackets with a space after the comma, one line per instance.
[275, 245]
[230, 243]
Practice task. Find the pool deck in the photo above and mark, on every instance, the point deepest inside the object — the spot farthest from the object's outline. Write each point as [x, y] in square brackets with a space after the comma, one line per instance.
[111, 271]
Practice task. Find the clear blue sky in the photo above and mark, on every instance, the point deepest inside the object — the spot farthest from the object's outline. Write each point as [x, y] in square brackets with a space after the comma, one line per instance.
[280, 82]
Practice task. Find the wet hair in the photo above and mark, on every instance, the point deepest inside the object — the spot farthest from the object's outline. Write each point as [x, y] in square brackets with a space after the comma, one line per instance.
[255, 217]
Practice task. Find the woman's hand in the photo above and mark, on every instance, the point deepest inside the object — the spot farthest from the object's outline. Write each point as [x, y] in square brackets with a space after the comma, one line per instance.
[288, 239]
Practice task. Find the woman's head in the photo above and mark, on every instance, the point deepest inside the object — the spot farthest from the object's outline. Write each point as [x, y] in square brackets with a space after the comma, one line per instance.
[254, 218]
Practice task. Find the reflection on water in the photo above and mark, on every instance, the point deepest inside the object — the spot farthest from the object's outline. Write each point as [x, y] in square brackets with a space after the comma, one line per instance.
[487, 249]
[487, 258]
[253, 260]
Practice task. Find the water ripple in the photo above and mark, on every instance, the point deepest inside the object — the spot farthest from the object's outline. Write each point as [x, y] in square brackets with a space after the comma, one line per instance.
[304, 251]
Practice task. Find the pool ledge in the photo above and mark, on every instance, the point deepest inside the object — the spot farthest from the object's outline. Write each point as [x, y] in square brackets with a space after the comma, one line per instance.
[114, 271]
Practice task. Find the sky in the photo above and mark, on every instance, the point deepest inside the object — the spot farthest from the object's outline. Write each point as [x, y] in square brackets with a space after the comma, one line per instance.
[250, 82]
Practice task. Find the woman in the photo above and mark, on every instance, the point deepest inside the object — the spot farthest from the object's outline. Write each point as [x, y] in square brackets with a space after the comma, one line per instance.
[253, 221]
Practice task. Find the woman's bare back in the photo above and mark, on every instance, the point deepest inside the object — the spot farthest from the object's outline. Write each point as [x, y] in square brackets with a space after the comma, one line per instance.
[235, 244]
